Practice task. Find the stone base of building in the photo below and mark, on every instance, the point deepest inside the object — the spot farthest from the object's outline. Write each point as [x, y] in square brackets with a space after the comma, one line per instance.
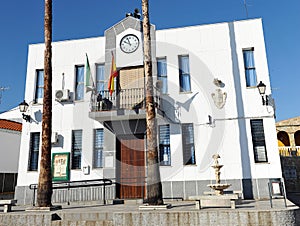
[120, 216]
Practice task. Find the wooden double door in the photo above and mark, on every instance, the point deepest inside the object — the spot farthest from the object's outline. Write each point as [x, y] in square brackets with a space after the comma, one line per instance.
[131, 166]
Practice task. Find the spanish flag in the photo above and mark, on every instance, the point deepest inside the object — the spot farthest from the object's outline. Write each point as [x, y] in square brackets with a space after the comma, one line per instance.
[113, 75]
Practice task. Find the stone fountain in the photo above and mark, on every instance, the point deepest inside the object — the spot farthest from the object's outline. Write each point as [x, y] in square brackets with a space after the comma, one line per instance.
[218, 187]
[218, 199]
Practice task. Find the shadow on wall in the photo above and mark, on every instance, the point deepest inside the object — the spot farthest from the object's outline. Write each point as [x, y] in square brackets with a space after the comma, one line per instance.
[247, 185]
[38, 115]
[171, 108]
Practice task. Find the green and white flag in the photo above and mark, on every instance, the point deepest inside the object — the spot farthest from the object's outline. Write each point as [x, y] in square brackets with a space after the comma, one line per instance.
[89, 83]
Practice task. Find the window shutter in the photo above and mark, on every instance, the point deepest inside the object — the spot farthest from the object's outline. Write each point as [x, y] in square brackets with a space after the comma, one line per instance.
[164, 145]
[98, 147]
[34, 151]
[188, 144]
[76, 149]
[258, 140]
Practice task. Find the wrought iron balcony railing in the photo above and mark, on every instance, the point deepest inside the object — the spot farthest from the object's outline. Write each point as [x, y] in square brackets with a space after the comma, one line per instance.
[129, 99]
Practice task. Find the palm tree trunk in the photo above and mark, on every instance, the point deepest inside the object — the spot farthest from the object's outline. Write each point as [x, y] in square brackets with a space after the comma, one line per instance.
[154, 188]
[44, 192]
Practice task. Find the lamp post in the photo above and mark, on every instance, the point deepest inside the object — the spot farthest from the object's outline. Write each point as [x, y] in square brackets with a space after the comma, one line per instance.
[23, 106]
[262, 90]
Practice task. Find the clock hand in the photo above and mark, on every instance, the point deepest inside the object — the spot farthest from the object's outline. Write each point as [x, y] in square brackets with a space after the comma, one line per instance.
[128, 41]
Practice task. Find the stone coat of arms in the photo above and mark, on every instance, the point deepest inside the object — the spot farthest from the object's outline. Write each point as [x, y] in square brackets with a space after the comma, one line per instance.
[219, 98]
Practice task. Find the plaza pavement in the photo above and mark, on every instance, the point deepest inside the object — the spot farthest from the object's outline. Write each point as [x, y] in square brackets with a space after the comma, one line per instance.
[182, 213]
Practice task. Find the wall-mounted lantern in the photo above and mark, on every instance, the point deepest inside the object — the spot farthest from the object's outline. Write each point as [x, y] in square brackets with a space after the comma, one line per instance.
[262, 90]
[23, 106]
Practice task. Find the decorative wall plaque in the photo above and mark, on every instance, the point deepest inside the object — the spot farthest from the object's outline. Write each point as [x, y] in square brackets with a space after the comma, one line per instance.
[219, 98]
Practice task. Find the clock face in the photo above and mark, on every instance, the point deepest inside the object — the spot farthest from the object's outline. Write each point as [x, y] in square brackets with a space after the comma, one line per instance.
[129, 43]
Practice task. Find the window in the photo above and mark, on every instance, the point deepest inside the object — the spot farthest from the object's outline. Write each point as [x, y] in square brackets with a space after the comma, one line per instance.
[79, 83]
[249, 67]
[39, 87]
[188, 144]
[76, 149]
[258, 140]
[184, 74]
[164, 145]
[98, 148]
[162, 74]
[34, 151]
[100, 78]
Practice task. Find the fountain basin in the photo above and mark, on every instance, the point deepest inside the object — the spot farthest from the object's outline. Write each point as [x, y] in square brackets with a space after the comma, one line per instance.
[219, 188]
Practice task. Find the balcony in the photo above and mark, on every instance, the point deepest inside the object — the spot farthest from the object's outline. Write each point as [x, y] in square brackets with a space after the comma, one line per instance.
[289, 151]
[126, 104]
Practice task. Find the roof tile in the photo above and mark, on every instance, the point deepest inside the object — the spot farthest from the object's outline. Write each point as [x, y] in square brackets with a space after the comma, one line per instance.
[10, 125]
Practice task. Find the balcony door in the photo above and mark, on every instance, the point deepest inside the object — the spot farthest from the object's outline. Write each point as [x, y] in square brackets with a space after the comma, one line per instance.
[132, 84]
[131, 167]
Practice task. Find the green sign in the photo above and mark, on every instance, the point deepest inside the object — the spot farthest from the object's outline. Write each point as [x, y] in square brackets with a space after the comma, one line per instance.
[60, 166]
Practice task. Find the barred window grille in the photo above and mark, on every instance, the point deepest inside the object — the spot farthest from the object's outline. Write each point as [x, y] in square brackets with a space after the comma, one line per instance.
[258, 140]
[164, 145]
[76, 149]
[98, 148]
[188, 146]
[34, 151]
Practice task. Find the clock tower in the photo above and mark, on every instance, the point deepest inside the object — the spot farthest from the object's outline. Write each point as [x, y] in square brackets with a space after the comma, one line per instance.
[125, 41]
[128, 123]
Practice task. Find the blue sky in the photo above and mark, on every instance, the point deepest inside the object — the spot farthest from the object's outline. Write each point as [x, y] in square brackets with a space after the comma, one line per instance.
[21, 23]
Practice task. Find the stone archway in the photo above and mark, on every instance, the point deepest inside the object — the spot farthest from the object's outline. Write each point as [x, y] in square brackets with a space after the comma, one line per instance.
[297, 138]
[284, 139]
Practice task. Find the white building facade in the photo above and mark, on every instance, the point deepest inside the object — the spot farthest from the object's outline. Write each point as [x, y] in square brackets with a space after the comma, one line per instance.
[10, 138]
[206, 100]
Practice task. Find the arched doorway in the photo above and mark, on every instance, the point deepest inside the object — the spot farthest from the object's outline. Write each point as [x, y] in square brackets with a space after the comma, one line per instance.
[297, 138]
[283, 138]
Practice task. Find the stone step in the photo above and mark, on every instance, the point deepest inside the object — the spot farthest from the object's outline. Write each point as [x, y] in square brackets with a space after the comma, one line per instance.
[90, 216]
[83, 216]
[124, 201]
[133, 201]
[80, 223]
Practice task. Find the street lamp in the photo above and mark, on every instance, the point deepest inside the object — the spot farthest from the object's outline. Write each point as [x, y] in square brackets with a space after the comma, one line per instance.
[262, 90]
[23, 106]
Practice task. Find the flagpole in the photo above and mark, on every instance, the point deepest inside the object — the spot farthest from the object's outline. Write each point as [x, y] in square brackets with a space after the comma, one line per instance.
[116, 85]
[245, 4]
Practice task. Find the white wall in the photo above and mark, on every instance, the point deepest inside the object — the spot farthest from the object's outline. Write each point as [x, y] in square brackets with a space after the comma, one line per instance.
[9, 151]
[65, 116]
[13, 114]
[215, 51]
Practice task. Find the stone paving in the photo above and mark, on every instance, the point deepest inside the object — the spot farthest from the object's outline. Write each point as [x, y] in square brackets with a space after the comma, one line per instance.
[278, 204]
[249, 212]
